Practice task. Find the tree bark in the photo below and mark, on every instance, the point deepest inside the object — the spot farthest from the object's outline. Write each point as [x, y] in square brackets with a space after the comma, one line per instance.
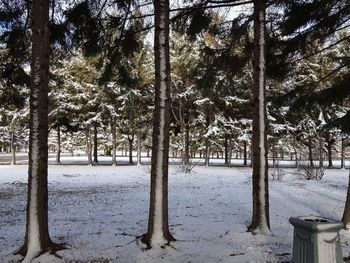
[158, 232]
[329, 149]
[138, 149]
[245, 153]
[282, 154]
[207, 152]
[260, 218]
[296, 154]
[114, 142]
[346, 214]
[95, 144]
[37, 238]
[131, 140]
[321, 152]
[13, 148]
[186, 158]
[226, 149]
[342, 161]
[273, 154]
[230, 154]
[311, 159]
[89, 145]
[58, 154]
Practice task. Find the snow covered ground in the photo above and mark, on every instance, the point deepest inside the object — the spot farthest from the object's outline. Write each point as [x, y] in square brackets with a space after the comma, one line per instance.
[100, 210]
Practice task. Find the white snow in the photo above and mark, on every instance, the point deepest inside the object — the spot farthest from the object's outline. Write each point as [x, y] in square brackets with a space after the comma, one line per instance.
[100, 210]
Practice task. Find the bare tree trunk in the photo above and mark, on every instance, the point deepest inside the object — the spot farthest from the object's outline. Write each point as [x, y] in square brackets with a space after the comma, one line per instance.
[13, 148]
[282, 154]
[273, 154]
[296, 154]
[321, 152]
[226, 149]
[342, 162]
[186, 160]
[58, 154]
[95, 144]
[230, 154]
[89, 145]
[260, 218]
[131, 140]
[311, 159]
[138, 149]
[114, 142]
[245, 153]
[37, 239]
[207, 152]
[158, 233]
[329, 149]
[346, 214]
[251, 154]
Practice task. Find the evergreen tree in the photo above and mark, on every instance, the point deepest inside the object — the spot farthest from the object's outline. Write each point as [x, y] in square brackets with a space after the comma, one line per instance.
[260, 219]
[158, 227]
[37, 238]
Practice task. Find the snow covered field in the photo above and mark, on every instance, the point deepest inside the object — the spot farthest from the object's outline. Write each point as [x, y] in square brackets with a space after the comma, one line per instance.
[100, 210]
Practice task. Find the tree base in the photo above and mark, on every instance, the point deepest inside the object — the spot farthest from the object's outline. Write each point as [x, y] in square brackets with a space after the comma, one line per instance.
[52, 248]
[255, 229]
[146, 239]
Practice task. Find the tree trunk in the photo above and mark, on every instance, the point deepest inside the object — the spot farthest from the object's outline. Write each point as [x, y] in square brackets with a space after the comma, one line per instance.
[58, 154]
[251, 153]
[226, 149]
[282, 154]
[260, 218]
[89, 145]
[245, 153]
[95, 144]
[329, 149]
[186, 159]
[13, 148]
[296, 155]
[346, 214]
[207, 152]
[138, 149]
[230, 154]
[342, 161]
[311, 159]
[321, 152]
[37, 238]
[131, 140]
[273, 154]
[158, 233]
[114, 142]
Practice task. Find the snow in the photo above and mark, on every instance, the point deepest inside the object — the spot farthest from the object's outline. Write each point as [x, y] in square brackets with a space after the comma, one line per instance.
[100, 210]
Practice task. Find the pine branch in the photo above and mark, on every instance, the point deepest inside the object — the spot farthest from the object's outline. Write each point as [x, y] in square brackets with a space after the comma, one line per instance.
[199, 7]
[321, 50]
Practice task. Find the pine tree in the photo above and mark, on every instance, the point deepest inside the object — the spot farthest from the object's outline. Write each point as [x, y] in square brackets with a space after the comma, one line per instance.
[158, 232]
[260, 219]
[37, 238]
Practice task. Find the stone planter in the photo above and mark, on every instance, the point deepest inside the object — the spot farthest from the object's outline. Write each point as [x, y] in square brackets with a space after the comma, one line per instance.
[316, 240]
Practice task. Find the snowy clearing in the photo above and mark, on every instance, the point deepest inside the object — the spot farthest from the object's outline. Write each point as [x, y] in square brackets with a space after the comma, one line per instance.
[100, 210]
